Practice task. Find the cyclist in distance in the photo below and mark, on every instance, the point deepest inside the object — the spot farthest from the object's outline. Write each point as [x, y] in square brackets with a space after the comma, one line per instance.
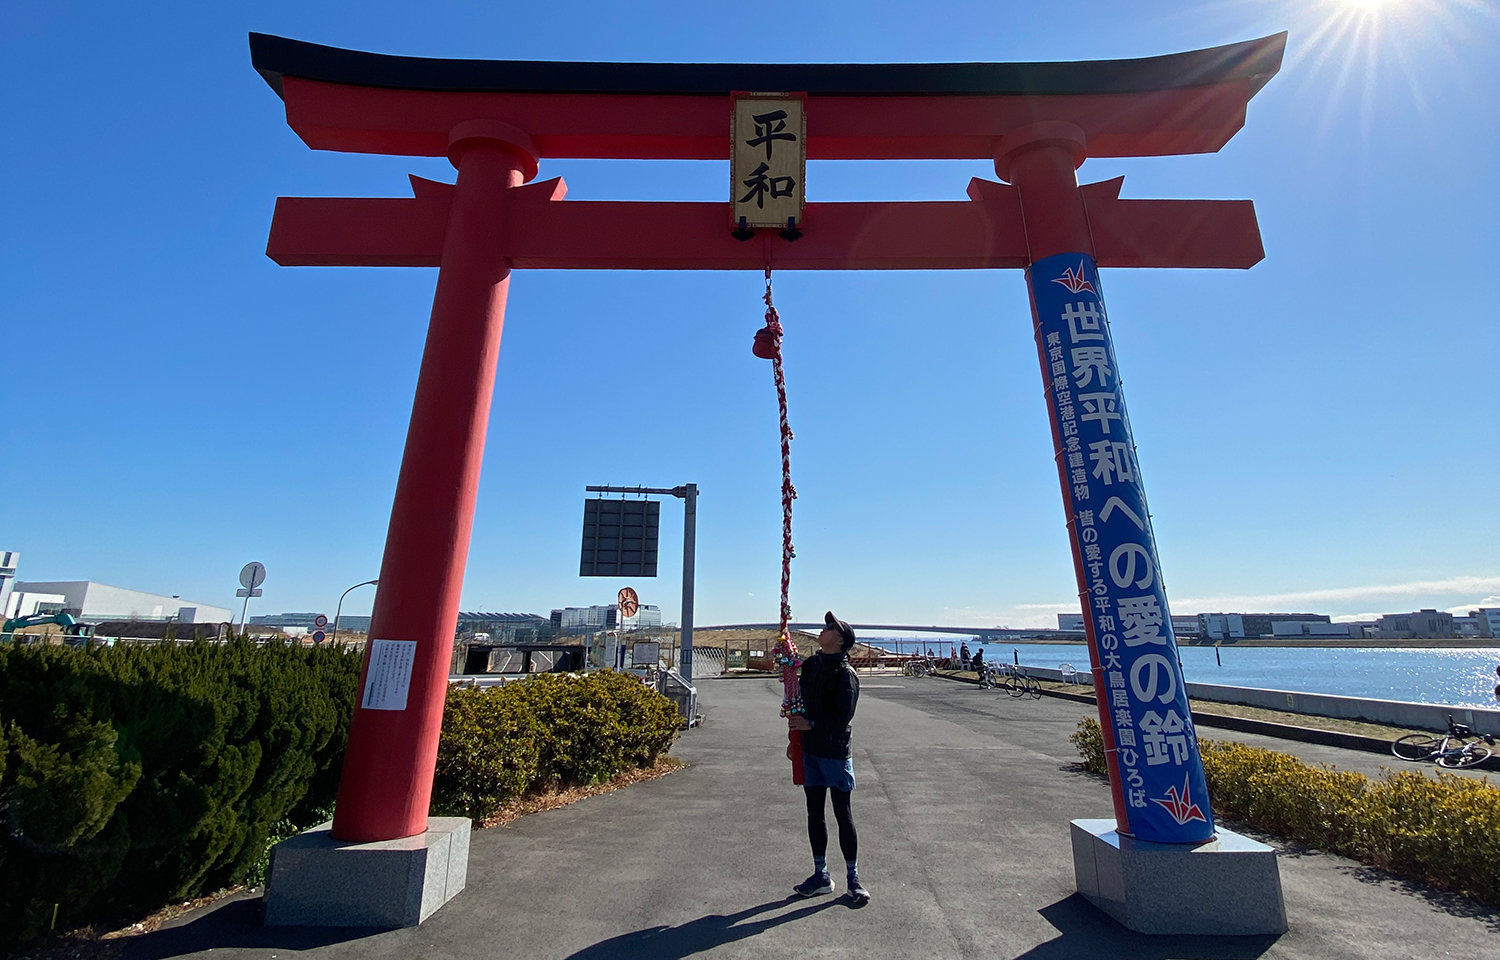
[978, 663]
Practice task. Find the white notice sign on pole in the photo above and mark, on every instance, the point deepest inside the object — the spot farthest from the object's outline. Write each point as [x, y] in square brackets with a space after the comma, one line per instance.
[389, 676]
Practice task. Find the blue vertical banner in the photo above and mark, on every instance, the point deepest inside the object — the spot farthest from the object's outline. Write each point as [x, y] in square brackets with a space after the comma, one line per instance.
[1156, 768]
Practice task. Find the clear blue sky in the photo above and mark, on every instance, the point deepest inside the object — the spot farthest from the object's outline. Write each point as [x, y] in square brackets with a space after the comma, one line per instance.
[1317, 433]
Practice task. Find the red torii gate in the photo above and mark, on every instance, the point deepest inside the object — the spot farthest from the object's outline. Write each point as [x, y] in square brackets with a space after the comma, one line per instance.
[495, 120]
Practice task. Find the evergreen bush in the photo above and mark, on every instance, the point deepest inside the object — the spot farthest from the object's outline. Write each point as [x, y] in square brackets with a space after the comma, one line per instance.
[1444, 831]
[547, 731]
[487, 752]
[133, 776]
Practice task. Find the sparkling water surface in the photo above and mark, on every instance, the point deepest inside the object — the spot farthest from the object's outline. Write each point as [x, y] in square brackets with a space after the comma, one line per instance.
[1455, 676]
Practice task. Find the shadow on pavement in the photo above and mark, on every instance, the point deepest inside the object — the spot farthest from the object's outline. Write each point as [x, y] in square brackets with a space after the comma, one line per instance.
[695, 936]
[235, 924]
[1453, 904]
[1087, 932]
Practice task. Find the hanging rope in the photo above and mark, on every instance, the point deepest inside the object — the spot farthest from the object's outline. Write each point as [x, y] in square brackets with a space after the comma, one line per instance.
[767, 346]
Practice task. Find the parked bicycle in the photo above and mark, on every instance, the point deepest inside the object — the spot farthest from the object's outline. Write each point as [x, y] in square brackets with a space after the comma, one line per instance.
[1018, 683]
[917, 667]
[1459, 747]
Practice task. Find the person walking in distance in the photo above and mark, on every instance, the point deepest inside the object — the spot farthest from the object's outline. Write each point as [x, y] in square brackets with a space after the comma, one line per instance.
[830, 693]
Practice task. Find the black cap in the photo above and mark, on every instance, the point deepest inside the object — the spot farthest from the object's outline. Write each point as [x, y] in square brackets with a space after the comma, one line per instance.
[842, 626]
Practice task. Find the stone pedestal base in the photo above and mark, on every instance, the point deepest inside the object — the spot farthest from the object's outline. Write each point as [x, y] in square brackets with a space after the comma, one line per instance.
[318, 881]
[1228, 885]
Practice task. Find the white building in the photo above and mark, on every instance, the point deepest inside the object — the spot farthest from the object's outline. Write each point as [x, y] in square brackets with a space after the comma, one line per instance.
[94, 602]
[9, 560]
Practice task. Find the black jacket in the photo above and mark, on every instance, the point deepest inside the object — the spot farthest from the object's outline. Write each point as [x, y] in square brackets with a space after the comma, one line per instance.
[830, 692]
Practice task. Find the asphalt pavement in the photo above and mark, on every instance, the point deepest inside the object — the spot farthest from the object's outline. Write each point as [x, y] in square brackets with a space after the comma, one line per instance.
[962, 804]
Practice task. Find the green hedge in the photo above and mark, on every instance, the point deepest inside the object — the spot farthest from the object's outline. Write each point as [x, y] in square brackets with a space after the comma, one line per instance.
[551, 730]
[133, 776]
[1444, 831]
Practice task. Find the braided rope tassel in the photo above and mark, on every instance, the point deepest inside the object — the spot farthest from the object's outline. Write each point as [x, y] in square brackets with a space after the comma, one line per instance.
[786, 653]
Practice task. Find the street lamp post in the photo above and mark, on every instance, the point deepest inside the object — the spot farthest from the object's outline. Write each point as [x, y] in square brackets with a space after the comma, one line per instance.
[337, 612]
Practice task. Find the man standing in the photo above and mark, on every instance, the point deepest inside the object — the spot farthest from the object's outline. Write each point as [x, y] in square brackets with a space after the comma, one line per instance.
[830, 692]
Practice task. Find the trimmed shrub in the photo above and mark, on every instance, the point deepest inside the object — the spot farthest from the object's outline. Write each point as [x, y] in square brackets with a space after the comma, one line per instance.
[1444, 831]
[649, 721]
[547, 731]
[487, 752]
[133, 776]
[1310, 804]
[1089, 739]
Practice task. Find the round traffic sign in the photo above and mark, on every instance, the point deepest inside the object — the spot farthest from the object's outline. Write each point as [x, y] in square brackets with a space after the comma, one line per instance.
[319, 636]
[252, 575]
[629, 602]
[320, 621]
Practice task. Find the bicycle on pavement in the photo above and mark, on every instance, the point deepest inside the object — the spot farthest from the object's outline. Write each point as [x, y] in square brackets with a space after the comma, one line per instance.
[1459, 747]
[917, 667]
[1019, 683]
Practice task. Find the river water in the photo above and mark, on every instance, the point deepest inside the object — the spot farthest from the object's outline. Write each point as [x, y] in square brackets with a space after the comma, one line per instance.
[1455, 676]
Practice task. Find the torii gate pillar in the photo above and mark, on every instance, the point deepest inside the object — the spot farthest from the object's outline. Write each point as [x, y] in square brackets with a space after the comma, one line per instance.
[386, 786]
[1201, 881]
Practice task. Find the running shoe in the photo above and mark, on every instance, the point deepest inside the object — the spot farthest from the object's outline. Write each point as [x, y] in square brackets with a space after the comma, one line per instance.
[814, 885]
[858, 893]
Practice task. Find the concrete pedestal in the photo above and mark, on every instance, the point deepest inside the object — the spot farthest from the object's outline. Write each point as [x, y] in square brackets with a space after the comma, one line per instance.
[318, 881]
[1228, 885]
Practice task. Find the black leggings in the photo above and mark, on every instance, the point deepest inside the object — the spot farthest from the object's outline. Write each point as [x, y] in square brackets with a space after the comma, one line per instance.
[817, 828]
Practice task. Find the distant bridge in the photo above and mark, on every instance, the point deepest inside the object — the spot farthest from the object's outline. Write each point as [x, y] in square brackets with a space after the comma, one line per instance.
[981, 633]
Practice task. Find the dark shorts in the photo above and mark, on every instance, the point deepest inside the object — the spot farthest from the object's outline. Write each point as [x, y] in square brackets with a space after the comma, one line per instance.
[835, 772]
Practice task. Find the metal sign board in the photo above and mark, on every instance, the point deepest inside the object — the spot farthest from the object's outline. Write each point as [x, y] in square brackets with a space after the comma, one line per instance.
[619, 538]
[252, 575]
[768, 162]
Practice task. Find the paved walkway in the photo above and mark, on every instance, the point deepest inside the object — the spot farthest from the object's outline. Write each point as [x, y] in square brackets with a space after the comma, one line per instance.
[963, 805]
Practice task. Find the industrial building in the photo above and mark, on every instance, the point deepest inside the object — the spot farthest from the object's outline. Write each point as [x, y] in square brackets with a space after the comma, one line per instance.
[92, 602]
[1236, 626]
[572, 621]
[1420, 624]
[1486, 621]
[1181, 626]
